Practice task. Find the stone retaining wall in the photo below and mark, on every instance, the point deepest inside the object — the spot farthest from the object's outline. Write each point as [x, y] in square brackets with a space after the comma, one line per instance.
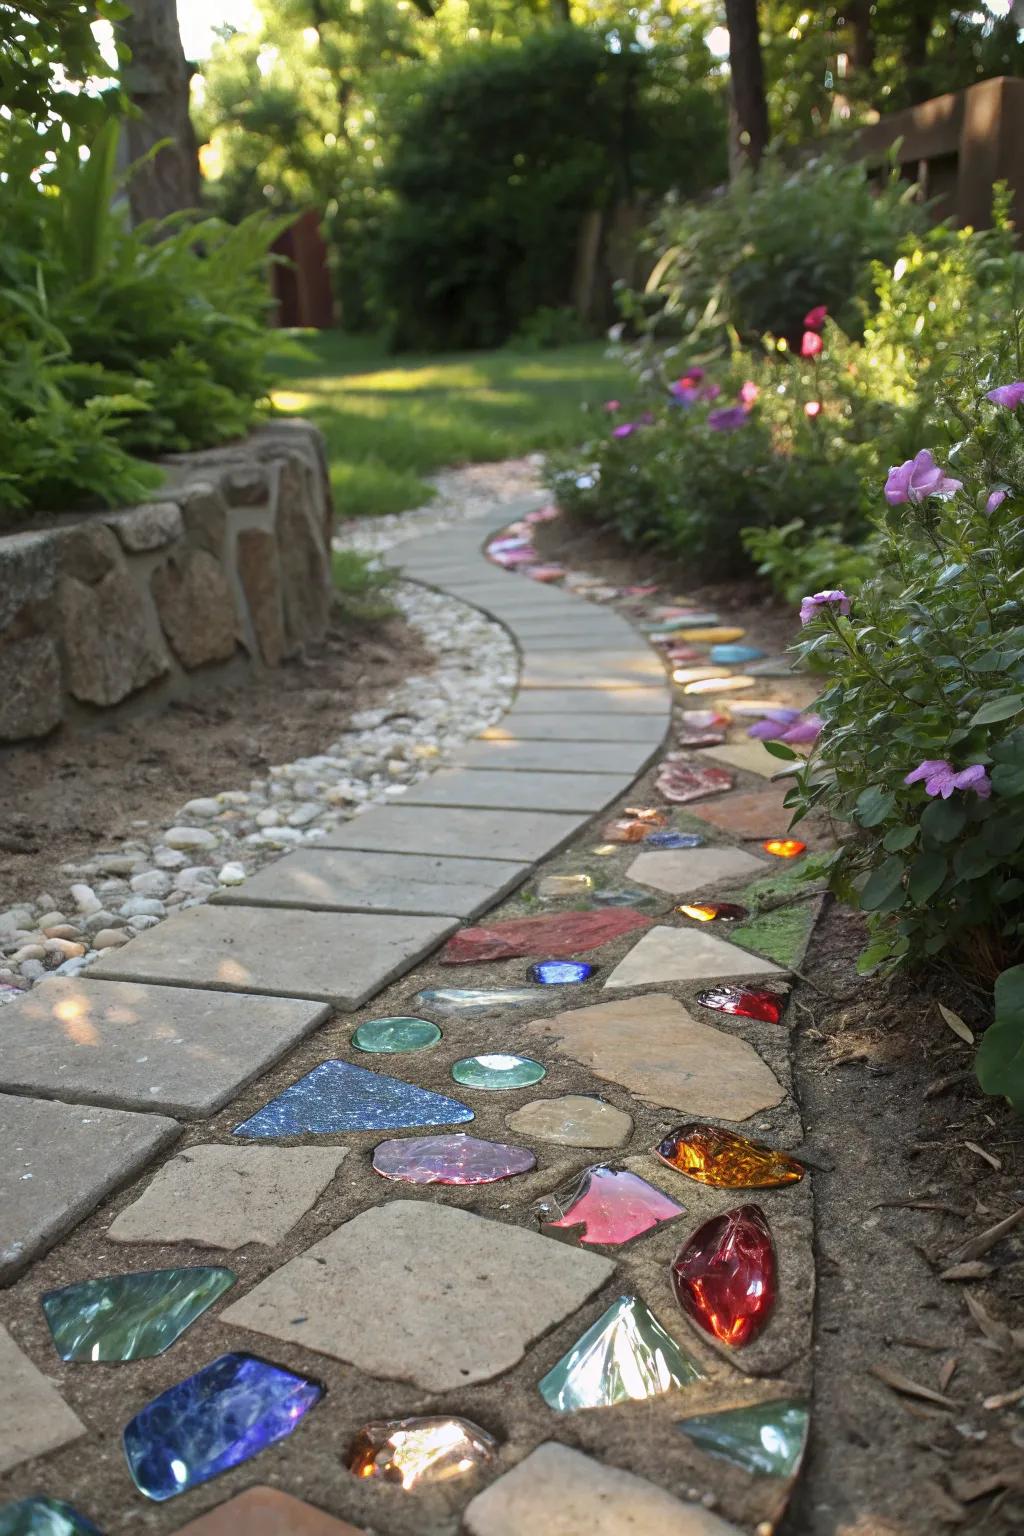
[229, 565]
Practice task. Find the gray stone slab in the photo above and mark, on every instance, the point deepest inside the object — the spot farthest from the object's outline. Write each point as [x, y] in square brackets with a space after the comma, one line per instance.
[59, 1162]
[341, 958]
[463, 1297]
[333, 880]
[581, 643]
[35, 1417]
[542, 700]
[527, 791]
[514, 835]
[522, 724]
[593, 669]
[564, 756]
[137, 1046]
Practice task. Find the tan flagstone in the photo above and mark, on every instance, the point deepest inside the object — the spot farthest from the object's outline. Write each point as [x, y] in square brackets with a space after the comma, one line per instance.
[750, 756]
[35, 1417]
[573, 1120]
[694, 871]
[686, 954]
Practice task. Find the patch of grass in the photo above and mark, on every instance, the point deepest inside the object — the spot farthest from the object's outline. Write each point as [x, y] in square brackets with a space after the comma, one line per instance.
[389, 421]
[362, 587]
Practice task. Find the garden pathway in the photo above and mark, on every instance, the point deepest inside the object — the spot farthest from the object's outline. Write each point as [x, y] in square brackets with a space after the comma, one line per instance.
[416, 1306]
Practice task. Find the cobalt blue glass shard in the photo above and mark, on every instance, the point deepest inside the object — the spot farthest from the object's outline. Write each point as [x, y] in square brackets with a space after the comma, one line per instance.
[337, 1096]
[561, 973]
[131, 1317]
[226, 1413]
[672, 839]
[44, 1517]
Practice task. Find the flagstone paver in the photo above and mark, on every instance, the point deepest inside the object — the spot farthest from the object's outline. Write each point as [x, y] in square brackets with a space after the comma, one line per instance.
[136, 1046]
[652, 700]
[357, 881]
[690, 871]
[511, 754]
[465, 1296]
[515, 835]
[340, 959]
[557, 1491]
[750, 756]
[226, 1196]
[574, 1120]
[523, 724]
[33, 1415]
[267, 1512]
[654, 1047]
[517, 791]
[59, 1161]
[759, 813]
[686, 954]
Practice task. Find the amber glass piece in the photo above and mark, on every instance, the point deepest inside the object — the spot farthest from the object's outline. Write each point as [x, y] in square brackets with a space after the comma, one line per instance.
[784, 847]
[707, 911]
[712, 1155]
[744, 1003]
[646, 813]
[418, 1451]
[725, 1276]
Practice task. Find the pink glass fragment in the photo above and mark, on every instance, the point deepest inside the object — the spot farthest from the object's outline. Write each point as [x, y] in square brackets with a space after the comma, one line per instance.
[611, 1205]
[680, 783]
[546, 572]
[553, 936]
[450, 1159]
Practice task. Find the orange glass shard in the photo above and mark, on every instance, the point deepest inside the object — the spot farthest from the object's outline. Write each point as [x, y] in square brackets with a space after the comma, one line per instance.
[411, 1452]
[709, 1154]
[707, 911]
[634, 825]
[784, 847]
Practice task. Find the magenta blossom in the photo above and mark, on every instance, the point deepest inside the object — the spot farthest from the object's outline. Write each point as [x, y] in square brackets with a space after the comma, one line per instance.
[728, 419]
[810, 344]
[749, 392]
[918, 478]
[803, 731]
[626, 429]
[774, 724]
[613, 405]
[711, 391]
[811, 606]
[694, 375]
[1008, 395]
[995, 499]
[815, 318]
[941, 778]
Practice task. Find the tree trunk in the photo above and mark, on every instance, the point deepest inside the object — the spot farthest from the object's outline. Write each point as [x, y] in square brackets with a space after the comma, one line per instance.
[862, 52]
[748, 135]
[156, 78]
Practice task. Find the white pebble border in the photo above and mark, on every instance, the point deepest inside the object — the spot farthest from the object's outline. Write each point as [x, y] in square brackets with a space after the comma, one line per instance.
[219, 839]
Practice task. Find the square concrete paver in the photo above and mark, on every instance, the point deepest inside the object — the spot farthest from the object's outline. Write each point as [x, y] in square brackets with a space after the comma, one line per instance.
[695, 871]
[516, 835]
[340, 958]
[138, 1046]
[464, 1296]
[686, 954]
[524, 724]
[226, 1196]
[518, 791]
[35, 1417]
[563, 756]
[59, 1162]
[557, 1491]
[266, 1512]
[334, 880]
[544, 700]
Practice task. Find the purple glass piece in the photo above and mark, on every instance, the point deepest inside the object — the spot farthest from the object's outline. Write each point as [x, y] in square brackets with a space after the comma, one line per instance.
[451, 1159]
[611, 1205]
[560, 973]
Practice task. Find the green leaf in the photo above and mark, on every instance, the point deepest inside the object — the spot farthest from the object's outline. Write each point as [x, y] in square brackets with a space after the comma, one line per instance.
[779, 749]
[874, 805]
[1000, 1060]
[1008, 779]
[926, 875]
[943, 820]
[898, 838]
[882, 885]
[1000, 708]
[974, 859]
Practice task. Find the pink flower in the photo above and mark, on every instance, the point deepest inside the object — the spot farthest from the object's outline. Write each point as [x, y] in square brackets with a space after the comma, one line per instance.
[815, 318]
[941, 778]
[612, 405]
[775, 722]
[1008, 395]
[918, 478]
[626, 429]
[694, 375]
[711, 391]
[995, 499]
[810, 606]
[728, 419]
[810, 344]
[801, 731]
[749, 392]
[812, 408]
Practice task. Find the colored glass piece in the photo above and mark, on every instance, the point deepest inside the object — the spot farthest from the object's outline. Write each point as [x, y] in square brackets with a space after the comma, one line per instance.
[713, 634]
[469, 1000]
[731, 655]
[337, 1096]
[784, 847]
[708, 911]
[673, 839]
[556, 935]
[680, 783]
[626, 1356]
[768, 1438]
[563, 887]
[561, 973]
[391, 1035]
[626, 830]
[452, 1159]
[610, 1205]
[755, 709]
[415, 1452]
[626, 899]
[724, 1277]
[497, 1072]
[131, 1317]
[44, 1517]
[712, 1155]
[702, 728]
[684, 676]
[226, 1413]
[649, 813]
[735, 683]
[744, 1003]
[603, 850]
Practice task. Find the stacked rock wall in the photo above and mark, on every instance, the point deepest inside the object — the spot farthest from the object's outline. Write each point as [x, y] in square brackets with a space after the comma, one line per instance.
[231, 565]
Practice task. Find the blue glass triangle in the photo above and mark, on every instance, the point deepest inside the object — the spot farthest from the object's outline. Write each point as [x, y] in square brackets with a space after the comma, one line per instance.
[337, 1096]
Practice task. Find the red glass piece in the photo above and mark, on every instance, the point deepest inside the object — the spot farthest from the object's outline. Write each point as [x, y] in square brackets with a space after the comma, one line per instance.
[554, 936]
[611, 1205]
[725, 1277]
[744, 1003]
[546, 573]
[680, 783]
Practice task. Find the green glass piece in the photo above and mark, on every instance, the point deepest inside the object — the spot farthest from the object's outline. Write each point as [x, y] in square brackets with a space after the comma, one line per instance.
[497, 1071]
[766, 1437]
[131, 1317]
[625, 1356]
[389, 1036]
[43, 1517]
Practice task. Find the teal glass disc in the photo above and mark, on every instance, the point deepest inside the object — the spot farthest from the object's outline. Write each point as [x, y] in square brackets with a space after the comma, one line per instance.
[766, 1437]
[391, 1035]
[496, 1072]
[131, 1317]
[43, 1517]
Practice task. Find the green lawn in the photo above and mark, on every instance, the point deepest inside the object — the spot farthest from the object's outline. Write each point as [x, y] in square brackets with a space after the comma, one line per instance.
[389, 421]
